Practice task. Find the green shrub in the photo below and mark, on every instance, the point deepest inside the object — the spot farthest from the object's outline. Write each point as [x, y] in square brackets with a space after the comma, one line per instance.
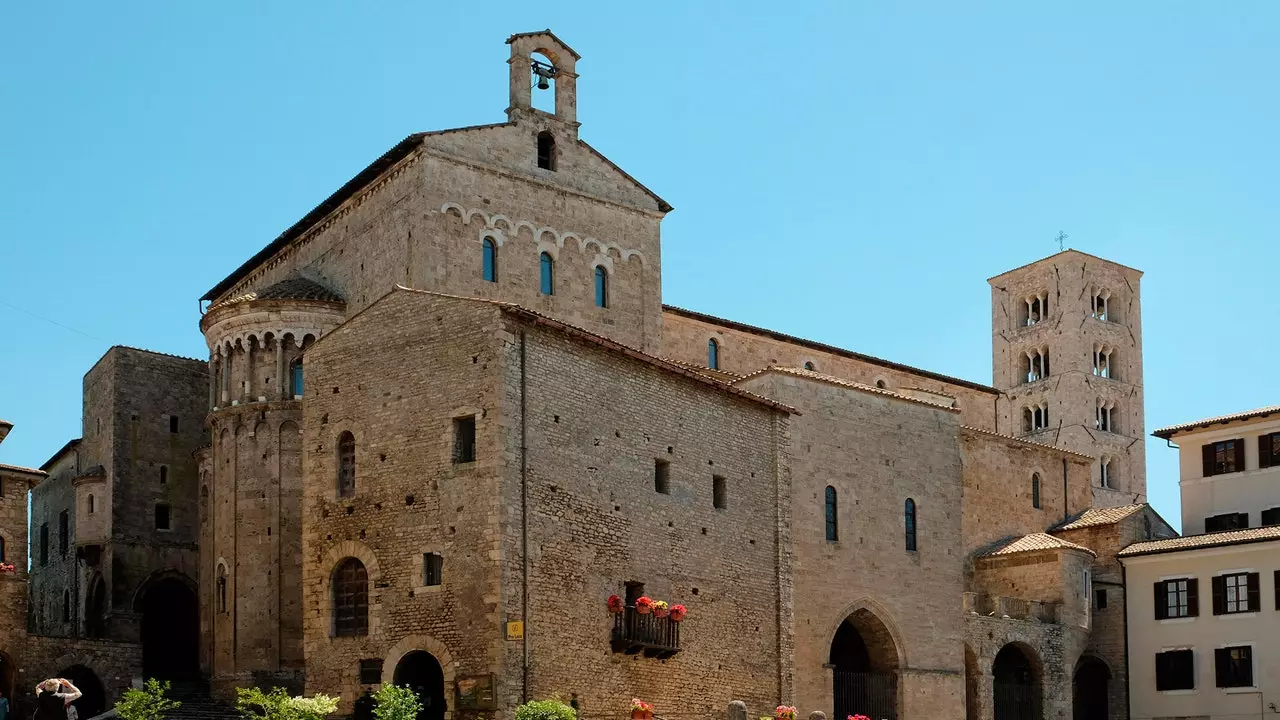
[396, 703]
[277, 705]
[545, 710]
[149, 703]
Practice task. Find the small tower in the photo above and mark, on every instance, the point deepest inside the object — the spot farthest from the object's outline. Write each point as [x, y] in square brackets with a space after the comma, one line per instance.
[1066, 336]
[544, 56]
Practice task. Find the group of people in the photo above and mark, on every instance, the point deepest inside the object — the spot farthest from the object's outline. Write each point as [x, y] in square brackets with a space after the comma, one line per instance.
[53, 701]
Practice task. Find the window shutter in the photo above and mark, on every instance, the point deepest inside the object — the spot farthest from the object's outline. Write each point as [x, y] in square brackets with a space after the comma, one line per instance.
[1162, 670]
[1242, 521]
[1219, 595]
[1162, 605]
[1278, 589]
[1206, 453]
[1264, 451]
[1255, 593]
[1221, 666]
[1240, 455]
[1193, 597]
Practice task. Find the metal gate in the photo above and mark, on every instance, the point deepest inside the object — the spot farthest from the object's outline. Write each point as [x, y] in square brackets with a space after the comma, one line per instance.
[1017, 701]
[863, 693]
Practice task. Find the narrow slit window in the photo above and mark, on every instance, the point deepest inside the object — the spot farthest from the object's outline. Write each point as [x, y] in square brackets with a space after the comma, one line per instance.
[833, 518]
[164, 474]
[713, 354]
[64, 532]
[602, 287]
[432, 569]
[490, 260]
[719, 493]
[548, 268]
[295, 378]
[1035, 491]
[909, 521]
[173, 423]
[662, 477]
[546, 151]
[346, 465]
[162, 516]
[464, 440]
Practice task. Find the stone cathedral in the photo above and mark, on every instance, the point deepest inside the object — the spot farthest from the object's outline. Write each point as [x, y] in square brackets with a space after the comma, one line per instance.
[446, 416]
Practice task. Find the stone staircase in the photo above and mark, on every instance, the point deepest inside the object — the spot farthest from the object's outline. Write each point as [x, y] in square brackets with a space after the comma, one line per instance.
[198, 704]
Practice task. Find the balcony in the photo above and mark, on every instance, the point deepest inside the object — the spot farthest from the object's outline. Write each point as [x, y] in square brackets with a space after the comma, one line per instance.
[1009, 608]
[654, 636]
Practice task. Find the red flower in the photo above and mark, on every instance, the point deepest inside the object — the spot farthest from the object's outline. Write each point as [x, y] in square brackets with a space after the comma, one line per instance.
[677, 613]
[644, 605]
[615, 604]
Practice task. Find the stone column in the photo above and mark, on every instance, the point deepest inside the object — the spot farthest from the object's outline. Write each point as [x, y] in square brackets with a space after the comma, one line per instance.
[213, 382]
[285, 384]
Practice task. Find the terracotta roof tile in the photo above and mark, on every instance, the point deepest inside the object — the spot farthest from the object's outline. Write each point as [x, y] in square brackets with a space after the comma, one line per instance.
[1168, 432]
[1095, 517]
[1025, 441]
[23, 470]
[1207, 540]
[1032, 543]
[294, 287]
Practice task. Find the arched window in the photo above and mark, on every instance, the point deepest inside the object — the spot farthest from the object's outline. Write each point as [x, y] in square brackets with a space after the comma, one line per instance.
[833, 521]
[1035, 490]
[546, 151]
[490, 260]
[164, 474]
[350, 598]
[602, 287]
[713, 354]
[808, 366]
[548, 274]
[222, 588]
[91, 508]
[346, 465]
[2, 550]
[910, 524]
[295, 378]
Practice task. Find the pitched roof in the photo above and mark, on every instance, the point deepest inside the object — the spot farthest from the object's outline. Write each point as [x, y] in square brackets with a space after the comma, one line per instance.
[1031, 543]
[1095, 517]
[294, 287]
[832, 380]
[1168, 432]
[1199, 542]
[1068, 251]
[552, 35]
[71, 444]
[823, 347]
[1024, 441]
[4, 467]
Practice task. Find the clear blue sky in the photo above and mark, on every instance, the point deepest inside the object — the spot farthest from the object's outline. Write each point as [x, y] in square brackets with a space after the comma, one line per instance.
[849, 172]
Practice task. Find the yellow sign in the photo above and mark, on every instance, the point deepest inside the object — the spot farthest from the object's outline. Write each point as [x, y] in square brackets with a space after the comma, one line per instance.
[515, 630]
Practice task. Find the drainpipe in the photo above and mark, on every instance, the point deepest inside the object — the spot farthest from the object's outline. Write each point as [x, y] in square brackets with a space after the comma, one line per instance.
[1124, 608]
[1066, 509]
[524, 524]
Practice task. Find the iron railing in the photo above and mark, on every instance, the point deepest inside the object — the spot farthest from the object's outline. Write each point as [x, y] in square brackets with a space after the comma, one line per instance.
[874, 695]
[649, 634]
[1017, 701]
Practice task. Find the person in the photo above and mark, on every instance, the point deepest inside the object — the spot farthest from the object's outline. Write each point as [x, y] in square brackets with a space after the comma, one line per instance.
[363, 708]
[52, 698]
[4, 706]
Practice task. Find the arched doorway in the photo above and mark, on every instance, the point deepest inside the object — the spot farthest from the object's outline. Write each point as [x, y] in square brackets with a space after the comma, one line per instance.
[95, 611]
[1089, 689]
[1016, 684]
[421, 672]
[865, 663]
[8, 677]
[170, 628]
[94, 700]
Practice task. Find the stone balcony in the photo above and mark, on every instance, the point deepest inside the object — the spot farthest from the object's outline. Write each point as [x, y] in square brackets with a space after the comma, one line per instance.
[1009, 608]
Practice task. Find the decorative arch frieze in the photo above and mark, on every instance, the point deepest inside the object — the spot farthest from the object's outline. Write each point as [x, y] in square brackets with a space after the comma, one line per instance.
[502, 227]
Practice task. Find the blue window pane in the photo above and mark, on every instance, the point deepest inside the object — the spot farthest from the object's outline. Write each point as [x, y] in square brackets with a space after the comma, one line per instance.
[713, 354]
[602, 287]
[548, 275]
[833, 523]
[295, 378]
[490, 260]
[911, 524]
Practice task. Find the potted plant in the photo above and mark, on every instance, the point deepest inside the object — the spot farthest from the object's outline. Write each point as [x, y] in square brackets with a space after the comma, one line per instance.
[859, 717]
[660, 608]
[677, 612]
[641, 710]
[785, 712]
[8, 568]
[615, 604]
[644, 605]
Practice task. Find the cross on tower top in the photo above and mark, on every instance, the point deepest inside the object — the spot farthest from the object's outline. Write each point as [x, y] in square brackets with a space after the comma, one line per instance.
[1062, 238]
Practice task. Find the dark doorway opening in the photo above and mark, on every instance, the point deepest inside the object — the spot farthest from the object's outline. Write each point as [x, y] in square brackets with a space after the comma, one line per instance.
[170, 630]
[421, 672]
[864, 663]
[94, 700]
[1089, 689]
[95, 612]
[8, 677]
[1016, 685]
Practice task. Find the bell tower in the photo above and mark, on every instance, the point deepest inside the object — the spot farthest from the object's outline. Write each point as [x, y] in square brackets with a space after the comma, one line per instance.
[1066, 334]
[541, 62]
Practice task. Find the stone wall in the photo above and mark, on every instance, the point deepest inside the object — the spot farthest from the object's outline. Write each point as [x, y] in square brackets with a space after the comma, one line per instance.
[115, 665]
[744, 350]
[54, 575]
[1052, 650]
[595, 422]
[906, 601]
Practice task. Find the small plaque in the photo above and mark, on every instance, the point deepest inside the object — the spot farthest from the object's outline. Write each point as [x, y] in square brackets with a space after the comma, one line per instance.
[475, 692]
[515, 630]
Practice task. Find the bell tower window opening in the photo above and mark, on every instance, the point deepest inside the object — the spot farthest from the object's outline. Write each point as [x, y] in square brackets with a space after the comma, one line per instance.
[1106, 478]
[1100, 305]
[543, 74]
[546, 151]
[1103, 361]
[1106, 416]
[1035, 418]
[1036, 366]
[1034, 310]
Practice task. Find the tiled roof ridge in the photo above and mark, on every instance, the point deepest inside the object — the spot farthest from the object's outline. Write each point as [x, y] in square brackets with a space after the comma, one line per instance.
[851, 384]
[1098, 516]
[73, 442]
[1170, 431]
[833, 349]
[23, 469]
[157, 352]
[1031, 542]
[583, 333]
[294, 286]
[1244, 536]
[1068, 251]
[1025, 441]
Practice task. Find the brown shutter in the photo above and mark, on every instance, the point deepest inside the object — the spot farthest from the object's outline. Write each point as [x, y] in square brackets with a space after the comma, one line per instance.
[1221, 665]
[1162, 605]
[1255, 593]
[1277, 589]
[1240, 455]
[1264, 451]
[1206, 453]
[1193, 597]
[1219, 595]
